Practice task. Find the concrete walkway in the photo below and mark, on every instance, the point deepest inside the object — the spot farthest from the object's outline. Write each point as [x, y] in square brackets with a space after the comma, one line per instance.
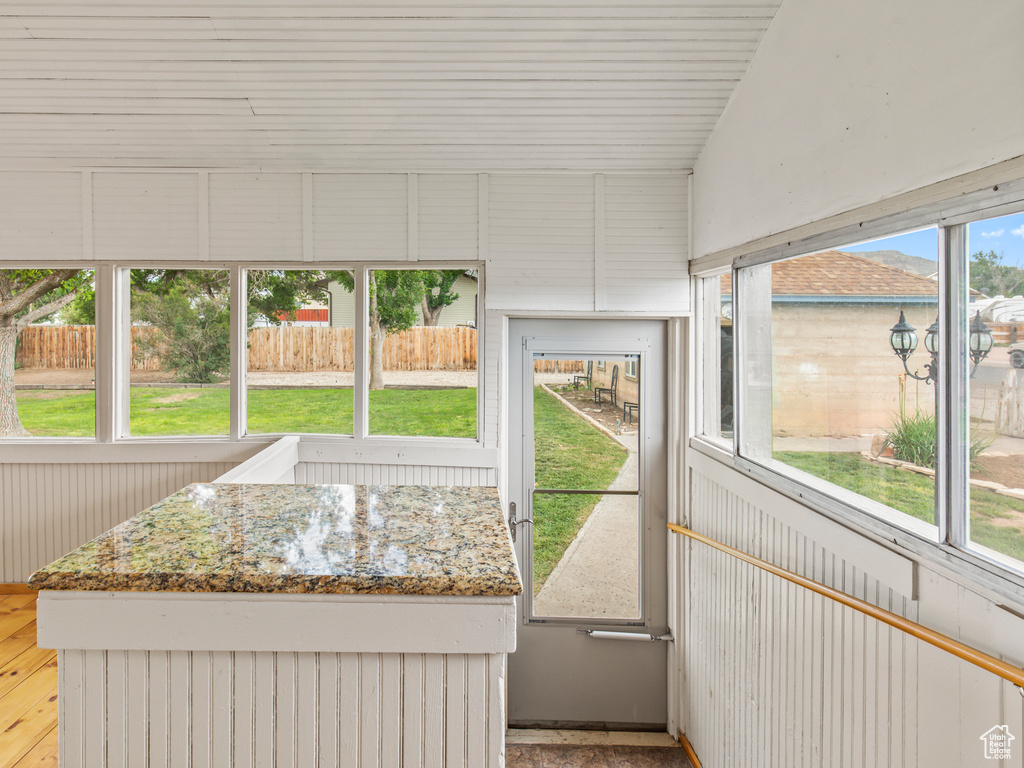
[598, 574]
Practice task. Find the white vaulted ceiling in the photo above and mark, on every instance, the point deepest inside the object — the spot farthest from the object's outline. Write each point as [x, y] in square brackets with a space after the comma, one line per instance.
[458, 86]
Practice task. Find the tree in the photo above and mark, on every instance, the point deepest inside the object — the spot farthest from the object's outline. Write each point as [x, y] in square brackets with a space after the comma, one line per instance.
[28, 295]
[393, 298]
[191, 309]
[438, 294]
[195, 330]
[993, 278]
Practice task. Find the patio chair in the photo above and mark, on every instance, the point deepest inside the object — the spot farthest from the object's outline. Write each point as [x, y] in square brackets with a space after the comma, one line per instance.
[587, 379]
[611, 390]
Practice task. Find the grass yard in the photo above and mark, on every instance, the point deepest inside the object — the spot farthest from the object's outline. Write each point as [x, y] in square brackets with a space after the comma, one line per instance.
[179, 411]
[569, 453]
[997, 522]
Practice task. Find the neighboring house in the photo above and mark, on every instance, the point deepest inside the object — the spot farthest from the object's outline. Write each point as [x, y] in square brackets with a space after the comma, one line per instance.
[310, 315]
[462, 311]
[828, 379]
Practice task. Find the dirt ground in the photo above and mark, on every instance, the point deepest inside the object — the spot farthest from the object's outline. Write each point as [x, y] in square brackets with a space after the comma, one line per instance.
[1005, 470]
[608, 415]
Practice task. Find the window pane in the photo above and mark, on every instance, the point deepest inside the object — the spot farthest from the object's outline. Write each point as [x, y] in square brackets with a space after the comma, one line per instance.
[180, 360]
[718, 365]
[824, 393]
[301, 351]
[996, 386]
[586, 424]
[423, 352]
[48, 354]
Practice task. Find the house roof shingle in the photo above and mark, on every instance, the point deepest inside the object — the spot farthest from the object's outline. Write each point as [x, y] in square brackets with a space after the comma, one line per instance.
[835, 273]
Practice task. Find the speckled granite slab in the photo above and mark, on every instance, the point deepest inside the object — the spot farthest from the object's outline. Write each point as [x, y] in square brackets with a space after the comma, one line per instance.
[367, 539]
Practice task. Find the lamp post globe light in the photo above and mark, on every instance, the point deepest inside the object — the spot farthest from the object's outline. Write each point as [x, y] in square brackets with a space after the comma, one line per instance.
[903, 340]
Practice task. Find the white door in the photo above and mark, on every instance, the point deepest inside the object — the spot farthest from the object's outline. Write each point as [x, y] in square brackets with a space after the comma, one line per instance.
[587, 484]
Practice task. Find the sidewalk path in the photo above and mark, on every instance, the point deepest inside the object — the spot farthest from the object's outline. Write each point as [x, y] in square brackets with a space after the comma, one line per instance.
[598, 575]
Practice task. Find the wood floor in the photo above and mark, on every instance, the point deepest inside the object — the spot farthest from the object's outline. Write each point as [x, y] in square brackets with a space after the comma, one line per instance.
[28, 688]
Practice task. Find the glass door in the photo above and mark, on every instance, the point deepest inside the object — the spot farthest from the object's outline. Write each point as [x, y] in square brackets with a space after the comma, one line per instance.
[588, 492]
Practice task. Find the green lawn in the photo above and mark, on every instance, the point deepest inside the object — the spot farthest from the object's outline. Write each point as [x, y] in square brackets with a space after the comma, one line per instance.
[914, 495]
[181, 411]
[569, 453]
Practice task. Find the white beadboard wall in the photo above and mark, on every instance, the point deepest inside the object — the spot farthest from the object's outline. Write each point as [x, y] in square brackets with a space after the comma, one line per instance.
[775, 675]
[351, 710]
[393, 474]
[46, 510]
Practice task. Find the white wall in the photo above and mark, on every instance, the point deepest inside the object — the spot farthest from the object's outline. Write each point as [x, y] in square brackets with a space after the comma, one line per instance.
[774, 675]
[848, 103]
[548, 242]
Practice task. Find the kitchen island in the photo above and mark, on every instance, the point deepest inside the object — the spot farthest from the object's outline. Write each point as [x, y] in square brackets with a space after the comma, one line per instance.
[287, 625]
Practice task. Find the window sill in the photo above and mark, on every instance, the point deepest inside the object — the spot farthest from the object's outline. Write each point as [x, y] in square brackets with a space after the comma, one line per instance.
[969, 568]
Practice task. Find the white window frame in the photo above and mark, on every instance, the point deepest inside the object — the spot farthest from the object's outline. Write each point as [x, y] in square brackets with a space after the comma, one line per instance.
[951, 548]
[113, 358]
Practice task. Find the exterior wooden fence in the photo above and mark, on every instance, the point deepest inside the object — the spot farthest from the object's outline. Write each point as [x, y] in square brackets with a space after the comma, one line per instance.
[274, 349]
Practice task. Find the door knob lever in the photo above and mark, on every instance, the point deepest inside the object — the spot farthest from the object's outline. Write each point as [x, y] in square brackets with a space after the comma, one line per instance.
[512, 522]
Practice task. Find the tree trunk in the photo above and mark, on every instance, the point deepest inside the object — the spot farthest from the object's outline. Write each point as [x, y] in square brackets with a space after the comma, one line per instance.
[431, 316]
[10, 424]
[377, 335]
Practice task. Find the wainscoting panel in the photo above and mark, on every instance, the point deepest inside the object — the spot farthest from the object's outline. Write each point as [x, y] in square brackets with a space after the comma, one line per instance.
[289, 710]
[47, 510]
[775, 675]
[393, 474]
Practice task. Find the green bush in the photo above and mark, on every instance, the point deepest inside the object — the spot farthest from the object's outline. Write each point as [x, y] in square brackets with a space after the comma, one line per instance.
[912, 438]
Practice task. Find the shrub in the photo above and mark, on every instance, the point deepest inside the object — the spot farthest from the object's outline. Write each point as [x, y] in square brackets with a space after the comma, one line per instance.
[912, 438]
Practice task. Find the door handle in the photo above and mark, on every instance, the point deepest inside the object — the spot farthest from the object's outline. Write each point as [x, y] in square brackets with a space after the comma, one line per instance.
[512, 522]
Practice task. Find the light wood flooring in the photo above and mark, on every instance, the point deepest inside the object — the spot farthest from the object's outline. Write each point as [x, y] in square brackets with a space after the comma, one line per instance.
[28, 688]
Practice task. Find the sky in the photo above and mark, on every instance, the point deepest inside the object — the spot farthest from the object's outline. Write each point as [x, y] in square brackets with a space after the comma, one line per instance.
[1004, 235]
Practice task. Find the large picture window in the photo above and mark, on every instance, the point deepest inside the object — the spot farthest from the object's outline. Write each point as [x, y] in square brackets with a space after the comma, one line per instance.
[887, 377]
[47, 353]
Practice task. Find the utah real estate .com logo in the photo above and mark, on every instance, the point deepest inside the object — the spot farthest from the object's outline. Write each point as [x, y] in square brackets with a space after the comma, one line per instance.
[997, 742]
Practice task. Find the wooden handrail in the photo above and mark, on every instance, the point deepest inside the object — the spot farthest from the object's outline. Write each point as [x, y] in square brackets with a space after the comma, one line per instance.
[996, 666]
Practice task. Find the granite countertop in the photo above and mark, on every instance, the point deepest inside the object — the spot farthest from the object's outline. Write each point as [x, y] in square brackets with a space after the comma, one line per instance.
[356, 539]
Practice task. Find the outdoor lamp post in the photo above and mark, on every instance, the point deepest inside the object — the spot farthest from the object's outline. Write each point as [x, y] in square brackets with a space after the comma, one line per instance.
[903, 341]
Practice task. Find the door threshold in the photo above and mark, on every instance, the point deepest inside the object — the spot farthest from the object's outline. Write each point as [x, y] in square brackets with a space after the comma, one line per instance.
[524, 736]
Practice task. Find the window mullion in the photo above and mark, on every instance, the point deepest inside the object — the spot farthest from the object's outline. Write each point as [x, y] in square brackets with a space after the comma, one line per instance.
[953, 430]
[361, 372]
[239, 346]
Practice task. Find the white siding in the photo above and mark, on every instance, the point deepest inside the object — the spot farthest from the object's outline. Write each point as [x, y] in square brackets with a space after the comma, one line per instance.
[449, 226]
[541, 242]
[775, 675]
[47, 510]
[256, 217]
[645, 243]
[360, 217]
[155, 215]
[41, 216]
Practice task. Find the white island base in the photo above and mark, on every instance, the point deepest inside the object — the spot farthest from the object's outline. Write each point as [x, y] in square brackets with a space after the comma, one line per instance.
[226, 679]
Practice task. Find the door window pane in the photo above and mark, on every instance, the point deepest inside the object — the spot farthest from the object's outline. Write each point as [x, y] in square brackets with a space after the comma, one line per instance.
[585, 507]
[301, 351]
[48, 354]
[180, 361]
[824, 393]
[996, 387]
[423, 352]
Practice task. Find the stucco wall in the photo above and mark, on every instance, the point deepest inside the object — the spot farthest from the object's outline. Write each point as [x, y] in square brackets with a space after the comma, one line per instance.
[834, 373]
